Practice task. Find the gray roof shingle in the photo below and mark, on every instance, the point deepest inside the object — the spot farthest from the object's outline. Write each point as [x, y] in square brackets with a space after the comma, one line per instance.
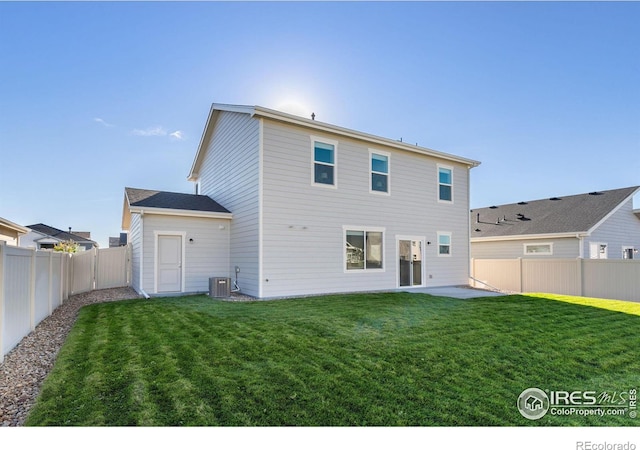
[58, 234]
[571, 214]
[173, 200]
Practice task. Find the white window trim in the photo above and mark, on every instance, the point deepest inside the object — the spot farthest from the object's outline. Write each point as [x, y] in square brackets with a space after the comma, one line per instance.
[626, 248]
[346, 228]
[333, 142]
[549, 253]
[371, 172]
[598, 244]
[444, 233]
[442, 166]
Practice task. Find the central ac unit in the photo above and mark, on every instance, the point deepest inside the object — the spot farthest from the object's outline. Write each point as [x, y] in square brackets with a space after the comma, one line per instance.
[220, 287]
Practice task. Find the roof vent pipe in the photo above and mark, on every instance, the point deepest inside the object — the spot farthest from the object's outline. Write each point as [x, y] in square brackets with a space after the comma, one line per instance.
[478, 218]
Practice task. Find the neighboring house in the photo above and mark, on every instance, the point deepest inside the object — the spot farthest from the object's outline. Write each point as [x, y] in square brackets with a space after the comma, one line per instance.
[594, 225]
[41, 236]
[303, 207]
[118, 241]
[11, 233]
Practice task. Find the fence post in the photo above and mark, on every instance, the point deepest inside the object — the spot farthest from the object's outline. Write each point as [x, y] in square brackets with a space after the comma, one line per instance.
[50, 298]
[520, 276]
[2, 265]
[32, 291]
[580, 277]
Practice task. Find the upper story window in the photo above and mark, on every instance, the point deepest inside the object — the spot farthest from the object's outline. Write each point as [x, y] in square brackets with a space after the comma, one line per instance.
[445, 184]
[324, 162]
[379, 165]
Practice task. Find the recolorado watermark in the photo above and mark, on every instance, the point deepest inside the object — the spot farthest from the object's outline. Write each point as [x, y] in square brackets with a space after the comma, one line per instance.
[588, 445]
[534, 403]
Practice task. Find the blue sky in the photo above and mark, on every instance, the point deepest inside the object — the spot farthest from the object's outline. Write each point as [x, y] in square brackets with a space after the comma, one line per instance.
[98, 96]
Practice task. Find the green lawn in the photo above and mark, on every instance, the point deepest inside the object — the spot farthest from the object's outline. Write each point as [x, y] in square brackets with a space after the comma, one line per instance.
[346, 360]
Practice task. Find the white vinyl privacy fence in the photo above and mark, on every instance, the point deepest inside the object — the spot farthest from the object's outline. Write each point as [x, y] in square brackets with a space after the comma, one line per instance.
[601, 278]
[34, 283]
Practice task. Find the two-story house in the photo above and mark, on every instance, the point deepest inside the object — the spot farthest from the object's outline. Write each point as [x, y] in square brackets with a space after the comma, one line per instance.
[290, 206]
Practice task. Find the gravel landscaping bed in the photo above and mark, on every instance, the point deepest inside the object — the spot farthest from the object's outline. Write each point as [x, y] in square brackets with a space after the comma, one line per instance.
[26, 366]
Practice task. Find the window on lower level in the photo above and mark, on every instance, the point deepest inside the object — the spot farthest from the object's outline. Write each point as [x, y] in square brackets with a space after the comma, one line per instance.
[538, 249]
[598, 250]
[444, 244]
[363, 249]
[628, 252]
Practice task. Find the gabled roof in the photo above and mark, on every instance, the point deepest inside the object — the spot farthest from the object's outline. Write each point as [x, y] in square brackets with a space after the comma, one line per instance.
[7, 224]
[58, 234]
[316, 125]
[147, 201]
[571, 215]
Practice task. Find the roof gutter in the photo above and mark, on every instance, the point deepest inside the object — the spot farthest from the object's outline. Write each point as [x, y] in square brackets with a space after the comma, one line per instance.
[519, 237]
[180, 212]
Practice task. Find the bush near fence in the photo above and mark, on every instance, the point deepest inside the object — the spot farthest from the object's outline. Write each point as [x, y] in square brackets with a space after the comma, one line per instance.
[34, 283]
[600, 278]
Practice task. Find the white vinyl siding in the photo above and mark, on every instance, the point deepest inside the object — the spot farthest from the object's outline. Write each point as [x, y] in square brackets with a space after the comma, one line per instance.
[303, 237]
[562, 248]
[620, 230]
[206, 249]
[230, 174]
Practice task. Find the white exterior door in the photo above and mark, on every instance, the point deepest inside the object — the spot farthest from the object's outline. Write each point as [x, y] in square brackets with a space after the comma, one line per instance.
[169, 263]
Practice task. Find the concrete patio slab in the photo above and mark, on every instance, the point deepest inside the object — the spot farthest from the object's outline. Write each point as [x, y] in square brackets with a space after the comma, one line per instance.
[454, 292]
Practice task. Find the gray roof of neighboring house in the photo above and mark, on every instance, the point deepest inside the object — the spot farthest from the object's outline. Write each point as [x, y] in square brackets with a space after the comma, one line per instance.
[556, 215]
[172, 200]
[58, 234]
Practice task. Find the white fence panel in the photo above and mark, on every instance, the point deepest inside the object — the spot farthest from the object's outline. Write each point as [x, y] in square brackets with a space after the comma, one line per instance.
[34, 283]
[83, 267]
[16, 296]
[43, 281]
[560, 276]
[57, 276]
[504, 274]
[608, 278]
[112, 267]
[601, 278]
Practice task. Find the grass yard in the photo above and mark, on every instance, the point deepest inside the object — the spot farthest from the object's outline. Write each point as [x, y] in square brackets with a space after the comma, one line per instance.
[392, 359]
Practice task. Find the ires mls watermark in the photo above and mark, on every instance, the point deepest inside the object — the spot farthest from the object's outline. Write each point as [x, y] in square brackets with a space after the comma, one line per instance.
[534, 403]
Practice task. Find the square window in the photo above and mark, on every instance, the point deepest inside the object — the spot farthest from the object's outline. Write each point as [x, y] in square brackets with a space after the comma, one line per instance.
[363, 249]
[444, 244]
